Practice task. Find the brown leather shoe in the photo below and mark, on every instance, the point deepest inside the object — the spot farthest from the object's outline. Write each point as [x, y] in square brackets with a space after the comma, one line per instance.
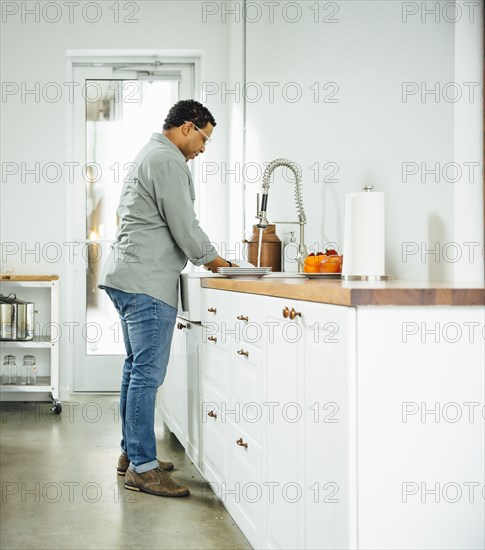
[124, 462]
[154, 482]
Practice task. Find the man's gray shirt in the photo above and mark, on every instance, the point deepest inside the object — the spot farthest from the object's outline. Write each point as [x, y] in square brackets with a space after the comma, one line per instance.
[158, 230]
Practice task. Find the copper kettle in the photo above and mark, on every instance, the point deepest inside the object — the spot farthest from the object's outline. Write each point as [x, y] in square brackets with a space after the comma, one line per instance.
[270, 248]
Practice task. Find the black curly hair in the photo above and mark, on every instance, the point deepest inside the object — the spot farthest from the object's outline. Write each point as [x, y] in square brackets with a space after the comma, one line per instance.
[190, 111]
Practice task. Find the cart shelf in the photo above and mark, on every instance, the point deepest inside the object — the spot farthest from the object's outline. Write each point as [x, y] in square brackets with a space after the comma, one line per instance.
[45, 384]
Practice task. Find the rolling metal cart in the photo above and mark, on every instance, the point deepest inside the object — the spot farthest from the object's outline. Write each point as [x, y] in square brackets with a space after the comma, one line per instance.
[43, 290]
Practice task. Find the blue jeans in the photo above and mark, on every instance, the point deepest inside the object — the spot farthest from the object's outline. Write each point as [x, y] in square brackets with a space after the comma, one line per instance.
[147, 325]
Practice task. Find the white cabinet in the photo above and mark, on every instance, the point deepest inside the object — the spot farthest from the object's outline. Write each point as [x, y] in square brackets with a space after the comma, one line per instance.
[278, 379]
[231, 386]
[329, 448]
[165, 397]
[216, 388]
[245, 494]
[309, 444]
[178, 397]
[333, 427]
[43, 290]
[178, 383]
[283, 430]
[215, 401]
[420, 411]
[245, 426]
[193, 345]
[247, 361]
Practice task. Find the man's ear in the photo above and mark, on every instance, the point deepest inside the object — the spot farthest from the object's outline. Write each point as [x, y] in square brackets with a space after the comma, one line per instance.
[185, 128]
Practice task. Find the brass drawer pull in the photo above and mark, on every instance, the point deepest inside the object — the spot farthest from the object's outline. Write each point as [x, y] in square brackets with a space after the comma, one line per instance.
[242, 352]
[286, 312]
[241, 443]
[212, 310]
[212, 338]
[294, 313]
[180, 326]
[243, 318]
[212, 414]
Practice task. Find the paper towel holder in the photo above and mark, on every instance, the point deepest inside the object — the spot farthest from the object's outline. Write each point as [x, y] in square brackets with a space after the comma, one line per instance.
[367, 189]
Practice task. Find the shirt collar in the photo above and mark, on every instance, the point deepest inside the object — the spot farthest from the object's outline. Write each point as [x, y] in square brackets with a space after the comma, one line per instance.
[164, 139]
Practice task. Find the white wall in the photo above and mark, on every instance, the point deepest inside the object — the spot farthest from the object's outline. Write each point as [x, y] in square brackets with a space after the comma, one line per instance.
[368, 133]
[371, 131]
[468, 199]
[34, 130]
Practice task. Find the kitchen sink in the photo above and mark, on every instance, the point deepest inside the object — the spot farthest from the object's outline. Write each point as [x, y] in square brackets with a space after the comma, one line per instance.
[190, 299]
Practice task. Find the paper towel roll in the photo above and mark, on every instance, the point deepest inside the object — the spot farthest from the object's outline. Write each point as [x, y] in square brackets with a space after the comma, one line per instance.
[364, 235]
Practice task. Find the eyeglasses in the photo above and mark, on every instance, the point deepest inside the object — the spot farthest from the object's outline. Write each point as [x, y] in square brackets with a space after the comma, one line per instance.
[207, 139]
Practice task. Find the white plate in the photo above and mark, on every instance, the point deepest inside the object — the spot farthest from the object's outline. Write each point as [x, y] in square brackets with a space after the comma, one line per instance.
[323, 275]
[243, 275]
[244, 270]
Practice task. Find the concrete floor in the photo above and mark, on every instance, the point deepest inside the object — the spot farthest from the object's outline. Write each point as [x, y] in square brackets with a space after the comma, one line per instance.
[60, 488]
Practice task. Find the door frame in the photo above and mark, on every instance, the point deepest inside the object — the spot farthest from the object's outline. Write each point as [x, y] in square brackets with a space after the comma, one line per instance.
[100, 58]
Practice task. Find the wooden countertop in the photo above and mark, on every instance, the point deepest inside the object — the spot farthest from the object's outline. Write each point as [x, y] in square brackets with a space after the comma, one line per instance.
[357, 293]
[26, 278]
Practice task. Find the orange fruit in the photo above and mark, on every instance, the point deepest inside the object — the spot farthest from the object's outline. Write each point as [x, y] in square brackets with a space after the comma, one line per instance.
[310, 268]
[314, 260]
[331, 264]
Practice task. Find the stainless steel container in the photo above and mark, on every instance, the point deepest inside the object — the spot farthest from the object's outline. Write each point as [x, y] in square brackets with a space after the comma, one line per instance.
[8, 321]
[16, 318]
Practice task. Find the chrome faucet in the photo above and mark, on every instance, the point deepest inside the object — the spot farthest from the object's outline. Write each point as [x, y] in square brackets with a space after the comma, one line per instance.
[263, 220]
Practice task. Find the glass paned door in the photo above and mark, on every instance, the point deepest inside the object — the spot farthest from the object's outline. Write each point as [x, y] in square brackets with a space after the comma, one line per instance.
[117, 127]
[115, 118]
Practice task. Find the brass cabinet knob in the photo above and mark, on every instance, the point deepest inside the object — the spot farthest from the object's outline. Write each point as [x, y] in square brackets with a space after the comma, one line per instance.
[242, 352]
[212, 309]
[180, 326]
[294, 313]
[286, 312]
[212, 414]
[242, 443]
[243, 318]
[212, 338]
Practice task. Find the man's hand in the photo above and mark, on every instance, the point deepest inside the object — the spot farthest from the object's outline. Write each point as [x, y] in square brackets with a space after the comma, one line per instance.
[218, 262]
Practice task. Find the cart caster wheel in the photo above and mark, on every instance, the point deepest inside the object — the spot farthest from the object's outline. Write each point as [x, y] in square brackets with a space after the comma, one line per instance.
[57, 407]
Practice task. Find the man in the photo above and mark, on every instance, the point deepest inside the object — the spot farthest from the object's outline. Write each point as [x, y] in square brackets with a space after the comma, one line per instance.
[158, 232]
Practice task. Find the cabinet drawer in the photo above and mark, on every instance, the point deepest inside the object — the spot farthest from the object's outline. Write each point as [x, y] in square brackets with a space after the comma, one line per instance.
[216, 308]
[246, 492]
[211, 407]
[216, 367]
[214, 451]
[247, 383]
[247, 310]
